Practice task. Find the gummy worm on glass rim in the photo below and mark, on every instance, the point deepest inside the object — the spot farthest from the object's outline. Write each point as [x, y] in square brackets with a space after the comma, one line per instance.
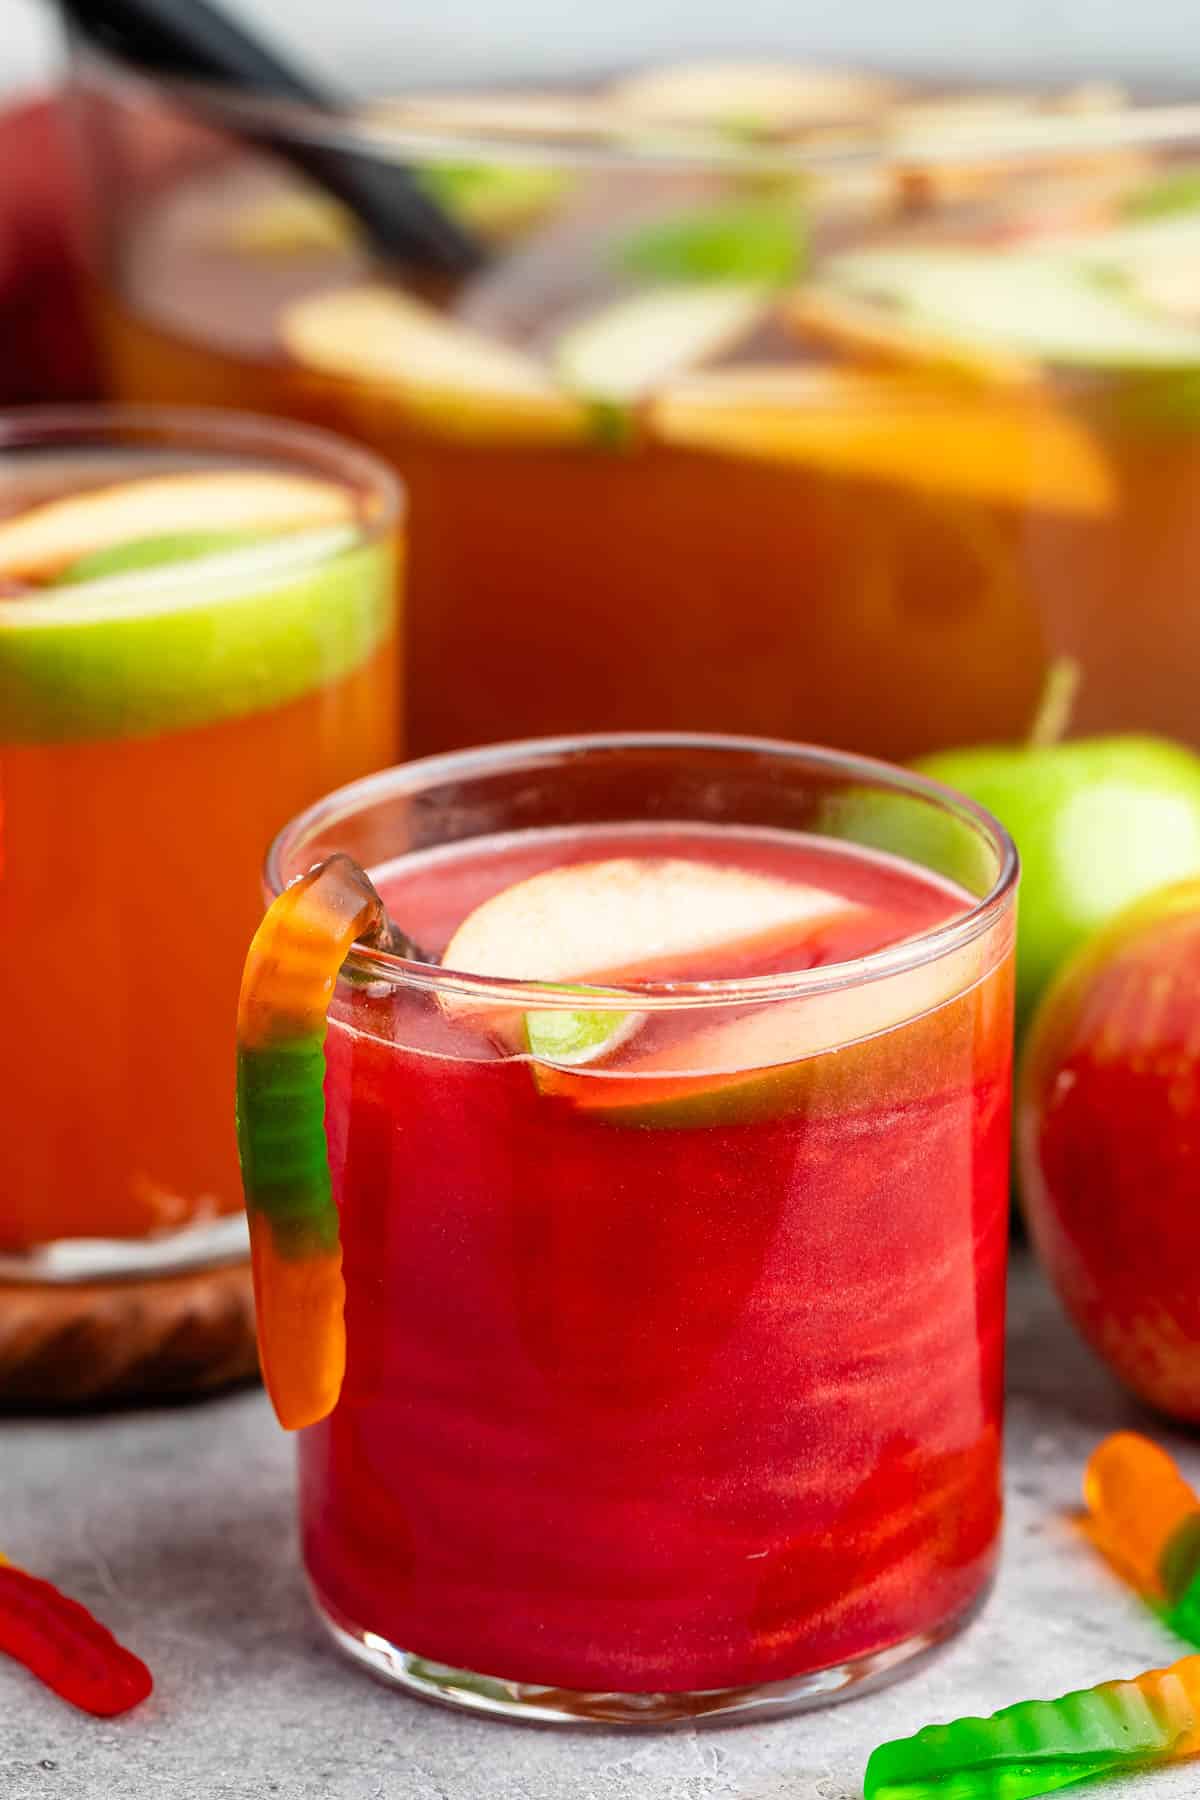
[1145, 1518]
[68, 1650]
[288, 982]
[1039, 1746]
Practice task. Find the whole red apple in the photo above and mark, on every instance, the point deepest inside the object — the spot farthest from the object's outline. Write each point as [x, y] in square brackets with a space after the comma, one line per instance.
[1108, 1132]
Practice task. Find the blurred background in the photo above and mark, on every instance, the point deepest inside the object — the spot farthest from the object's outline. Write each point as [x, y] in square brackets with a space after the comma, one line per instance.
[1156, 38]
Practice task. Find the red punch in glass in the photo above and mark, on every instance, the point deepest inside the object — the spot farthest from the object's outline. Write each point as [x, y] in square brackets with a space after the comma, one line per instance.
[646, 1317]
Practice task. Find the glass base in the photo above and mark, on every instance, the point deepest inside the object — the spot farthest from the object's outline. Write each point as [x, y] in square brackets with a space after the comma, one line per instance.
[208, 1245]
[524, 1701]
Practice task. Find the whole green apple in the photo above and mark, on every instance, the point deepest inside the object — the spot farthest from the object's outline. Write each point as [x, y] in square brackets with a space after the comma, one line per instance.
[1108, 1139]
[1098, 822]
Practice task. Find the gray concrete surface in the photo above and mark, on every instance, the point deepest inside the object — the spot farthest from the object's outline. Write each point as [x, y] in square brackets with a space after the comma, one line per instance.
[176, 1525]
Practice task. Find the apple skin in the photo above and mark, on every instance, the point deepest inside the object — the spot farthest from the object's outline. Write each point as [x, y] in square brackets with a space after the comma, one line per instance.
[1108, 1143]
[46, 347]
[1097, 822]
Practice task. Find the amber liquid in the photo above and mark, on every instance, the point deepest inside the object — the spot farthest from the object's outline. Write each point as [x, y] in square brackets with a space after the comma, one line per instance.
[129, 888]
[556, 590]
[663, 585]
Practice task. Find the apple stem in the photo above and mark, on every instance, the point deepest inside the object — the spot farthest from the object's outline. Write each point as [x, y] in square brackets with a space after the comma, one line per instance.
[1056, 703]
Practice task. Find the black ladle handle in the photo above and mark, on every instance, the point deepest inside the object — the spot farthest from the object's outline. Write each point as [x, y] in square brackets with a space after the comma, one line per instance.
[194, 40]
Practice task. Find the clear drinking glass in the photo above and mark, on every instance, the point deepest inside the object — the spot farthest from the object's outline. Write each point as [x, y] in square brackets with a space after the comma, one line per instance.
[673, 1373]
[825, 404]
[197, 636]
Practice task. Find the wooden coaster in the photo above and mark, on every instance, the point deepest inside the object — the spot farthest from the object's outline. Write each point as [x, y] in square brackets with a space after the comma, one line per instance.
[88, 1343]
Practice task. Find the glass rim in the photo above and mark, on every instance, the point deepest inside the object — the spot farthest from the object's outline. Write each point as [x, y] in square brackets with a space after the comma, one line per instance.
[1026, 138]
[215, 429]
[424, 772]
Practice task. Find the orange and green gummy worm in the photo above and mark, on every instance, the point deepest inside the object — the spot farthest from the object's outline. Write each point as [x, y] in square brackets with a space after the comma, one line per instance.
[1145, 1517]
[1039, 1746]
[295, 1246]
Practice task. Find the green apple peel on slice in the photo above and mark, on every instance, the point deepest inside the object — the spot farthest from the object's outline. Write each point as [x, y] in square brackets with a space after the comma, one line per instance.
[570, 1039]
[168, 648]
[497, 199]
[38, 544]
[869, 1045]
[150, 553]
[1166, 195]
[735, 241]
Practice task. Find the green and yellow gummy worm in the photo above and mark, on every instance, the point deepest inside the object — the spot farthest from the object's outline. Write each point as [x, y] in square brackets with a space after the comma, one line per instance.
[295, 1247]
[1039, 1746]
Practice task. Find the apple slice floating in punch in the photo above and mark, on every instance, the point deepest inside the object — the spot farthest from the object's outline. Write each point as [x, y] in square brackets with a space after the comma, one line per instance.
[830, 1052]
[631, 918]
[628, 349]
[38, 544]
[765, 97]
[748, 239]
[889, 427]
[295, 221]
[211, 637]
[445, 375]
[498, 200]
[175, 601]
[454, 379]
[871, 330]
[158, 552]
[620, 920]
[571, 1039]
[1048, 306]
